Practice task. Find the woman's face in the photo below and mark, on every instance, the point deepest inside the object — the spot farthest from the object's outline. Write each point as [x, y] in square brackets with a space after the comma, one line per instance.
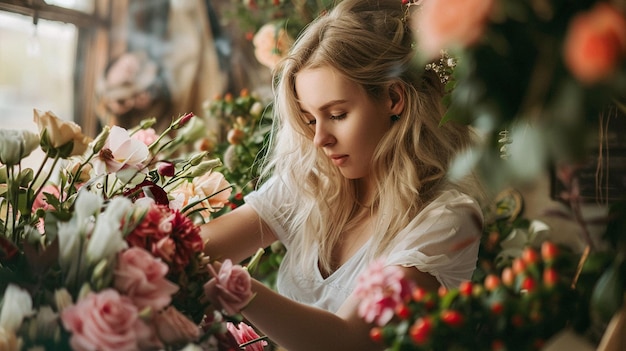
[348, 124]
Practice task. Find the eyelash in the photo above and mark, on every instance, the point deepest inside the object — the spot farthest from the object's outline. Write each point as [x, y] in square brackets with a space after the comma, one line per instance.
[332, 117]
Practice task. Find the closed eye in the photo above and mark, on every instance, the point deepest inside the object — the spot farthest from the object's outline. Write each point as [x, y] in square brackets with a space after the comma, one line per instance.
[338, 117]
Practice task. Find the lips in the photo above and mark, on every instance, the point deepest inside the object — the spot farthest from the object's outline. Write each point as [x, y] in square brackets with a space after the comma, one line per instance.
[339, 160]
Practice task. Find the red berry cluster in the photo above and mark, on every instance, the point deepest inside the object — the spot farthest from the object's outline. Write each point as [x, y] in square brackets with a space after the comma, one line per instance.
[517, 309]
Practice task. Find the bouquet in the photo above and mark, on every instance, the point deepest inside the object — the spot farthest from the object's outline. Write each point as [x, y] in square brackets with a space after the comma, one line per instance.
[101, 247]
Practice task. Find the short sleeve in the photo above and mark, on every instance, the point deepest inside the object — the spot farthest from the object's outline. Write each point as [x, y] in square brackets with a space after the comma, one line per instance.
[274, 206]
[443, 240]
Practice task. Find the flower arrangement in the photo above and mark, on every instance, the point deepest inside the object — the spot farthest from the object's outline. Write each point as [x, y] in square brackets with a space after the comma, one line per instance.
[100, 246]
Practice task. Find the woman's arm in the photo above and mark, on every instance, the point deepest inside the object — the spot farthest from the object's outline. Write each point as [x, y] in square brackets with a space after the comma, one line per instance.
[299, 327]
[236, 235]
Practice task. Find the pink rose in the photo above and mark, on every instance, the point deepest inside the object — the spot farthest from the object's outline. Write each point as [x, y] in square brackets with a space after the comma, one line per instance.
[141, 277]
[595, 43]
[244, 333]
[381, 289]
[174, 328]
[440, 24]
[105, 321]
[230, 288]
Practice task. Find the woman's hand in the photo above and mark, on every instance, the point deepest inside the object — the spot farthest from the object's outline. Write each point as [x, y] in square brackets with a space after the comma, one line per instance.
[230, 289]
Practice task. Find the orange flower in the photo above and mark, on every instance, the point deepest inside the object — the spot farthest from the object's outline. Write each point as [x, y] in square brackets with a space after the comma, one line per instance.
[441, 24]
[595, 43]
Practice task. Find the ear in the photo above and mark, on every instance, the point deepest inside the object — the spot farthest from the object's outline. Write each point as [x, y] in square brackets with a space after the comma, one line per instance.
[396, 98]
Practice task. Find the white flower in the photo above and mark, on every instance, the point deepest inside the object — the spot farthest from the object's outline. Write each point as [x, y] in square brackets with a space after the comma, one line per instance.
[16, 145]
[107, 239]
[72, 233]
[16, 305]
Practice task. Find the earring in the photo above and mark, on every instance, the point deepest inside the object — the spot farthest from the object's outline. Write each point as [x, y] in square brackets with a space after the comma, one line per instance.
[395, 118]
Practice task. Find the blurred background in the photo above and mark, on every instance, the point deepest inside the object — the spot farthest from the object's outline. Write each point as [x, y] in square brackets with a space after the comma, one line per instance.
[100, 62]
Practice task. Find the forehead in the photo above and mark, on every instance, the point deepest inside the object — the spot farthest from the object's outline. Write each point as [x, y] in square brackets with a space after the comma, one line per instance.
[317, 86]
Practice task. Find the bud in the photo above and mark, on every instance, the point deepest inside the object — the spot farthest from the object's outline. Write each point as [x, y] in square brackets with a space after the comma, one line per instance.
[204, 167]
[181, 121]
[166, 169]
[147, 123]
[62, 299]
[101, 139]
[256, 109]
[197, 158]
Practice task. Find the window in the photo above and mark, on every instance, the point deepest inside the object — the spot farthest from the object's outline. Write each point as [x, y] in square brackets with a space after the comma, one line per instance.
[45, 60]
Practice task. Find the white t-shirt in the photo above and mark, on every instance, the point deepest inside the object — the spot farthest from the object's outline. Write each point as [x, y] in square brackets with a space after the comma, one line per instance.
[442, 240]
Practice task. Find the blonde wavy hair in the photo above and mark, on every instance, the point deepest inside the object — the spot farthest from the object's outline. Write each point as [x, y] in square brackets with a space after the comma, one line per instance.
[370, 43]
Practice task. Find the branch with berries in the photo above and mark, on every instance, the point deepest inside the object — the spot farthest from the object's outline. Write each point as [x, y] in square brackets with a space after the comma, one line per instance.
[520, 308]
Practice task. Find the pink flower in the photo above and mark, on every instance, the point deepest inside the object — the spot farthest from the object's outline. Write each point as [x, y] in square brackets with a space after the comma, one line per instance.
[142, 278]
[146, 136]
[40, 200]
[441, 24]
[161, 222]
[104, 321]
[212, 185]
[244, 333]
[381, 289]
[231, 287]
[119, 152]
[174, 328]
[271, 44]
[595, 43]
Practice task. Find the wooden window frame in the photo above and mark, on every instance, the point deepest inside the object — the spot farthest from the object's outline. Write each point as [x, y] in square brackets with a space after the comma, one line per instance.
[94, 47]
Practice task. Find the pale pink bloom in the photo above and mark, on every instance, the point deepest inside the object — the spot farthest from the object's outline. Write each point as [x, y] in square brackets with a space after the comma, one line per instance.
[271, 44]
[595, 43]
[105, 321]
[141, 277]
[211, 184]
[381, 289]
[443, 24]
[146, 136]
[244, 333]
[231, 287]
[173, 328]
[120, 151]
[214, 184]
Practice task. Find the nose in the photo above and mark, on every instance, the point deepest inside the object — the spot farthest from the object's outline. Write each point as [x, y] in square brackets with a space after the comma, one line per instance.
[323, 137]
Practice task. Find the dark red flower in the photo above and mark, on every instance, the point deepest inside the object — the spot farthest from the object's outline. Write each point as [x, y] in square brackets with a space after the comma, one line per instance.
[148, 189]
[162, 222]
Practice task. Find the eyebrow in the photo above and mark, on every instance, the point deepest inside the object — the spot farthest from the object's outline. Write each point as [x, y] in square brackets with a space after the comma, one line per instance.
[327, 105]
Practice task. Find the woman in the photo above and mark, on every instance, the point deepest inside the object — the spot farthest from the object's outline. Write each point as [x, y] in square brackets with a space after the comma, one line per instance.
[357, 171]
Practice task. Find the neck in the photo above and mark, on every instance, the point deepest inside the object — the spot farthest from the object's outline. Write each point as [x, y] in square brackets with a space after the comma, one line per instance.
[365, 193]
